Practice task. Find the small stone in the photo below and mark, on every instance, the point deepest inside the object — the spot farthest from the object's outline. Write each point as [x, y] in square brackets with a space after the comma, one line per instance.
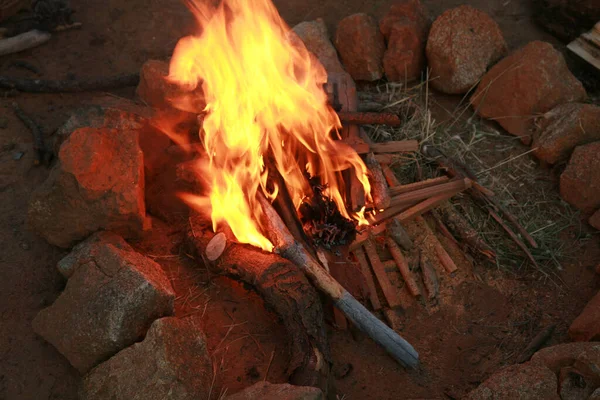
[563, 128]
[112, 297]
[405, 27]
[531, 81]
[586, 326]
[98, 183]
[361, 47]
[284, 391]
[172, 362]
[315, 37]
[594, 220]
[580, 182]
[527, 381]
[462, 44]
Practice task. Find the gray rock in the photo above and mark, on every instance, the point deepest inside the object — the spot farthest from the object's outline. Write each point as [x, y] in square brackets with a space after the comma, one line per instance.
[112, 296]
[170, 363]
[269, 391]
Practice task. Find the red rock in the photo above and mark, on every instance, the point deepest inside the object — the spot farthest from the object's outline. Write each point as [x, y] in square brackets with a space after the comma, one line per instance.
[462, 44]
[583, 356]
[563, 128]
[172, 362]
[594, 220]
[574, 386]
[361, 47]
[405, 27]
[580, 182]
[284, 391]
[97, 184]
[527, 381]
[532, 80]
[586, 326]
[112, 296]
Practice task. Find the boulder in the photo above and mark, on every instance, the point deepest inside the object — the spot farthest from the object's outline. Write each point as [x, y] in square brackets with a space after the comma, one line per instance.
[285, 391]
[563, 128]
[97, 183]
[112, 297]
[315, 37]
[594, 220]
[361, 46]
[586, 326]
[405, 27]
[583, 356]
[574, 386]
[580, 182]
[527, 381]
[531, 81]
[172, 362]
[462, 44]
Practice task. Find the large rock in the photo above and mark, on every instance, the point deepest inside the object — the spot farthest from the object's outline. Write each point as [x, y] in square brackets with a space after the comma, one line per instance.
[361, 46]
[580, 182]
[170, 363]
[528, 381]
[574, 386]
[532, 80]
[586, 326]
[462, 44]
[583, 356]
[315, 37]
[97, 183]
[563, 128]
[405, 27]
[112, 296]
[285, 391]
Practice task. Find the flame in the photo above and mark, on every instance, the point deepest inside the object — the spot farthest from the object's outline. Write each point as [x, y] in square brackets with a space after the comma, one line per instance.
[264, 101]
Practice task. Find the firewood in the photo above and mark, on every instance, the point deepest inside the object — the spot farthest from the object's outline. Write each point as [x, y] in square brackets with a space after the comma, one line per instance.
[216, 246]
[379, 187]
[402, 264]
[390, 176]
[389, 292]
[42, 153]
[390, 266]
[370, 232]
[368, 118]
[22, 42]
[430, 278]
[399, 189]
[286, 246]
[69, 86]
[399, 146]
[397, 232]
[587, 46]
[366, 271]
[425, 193]
[514, 237]
[441, 253]
[389, 158]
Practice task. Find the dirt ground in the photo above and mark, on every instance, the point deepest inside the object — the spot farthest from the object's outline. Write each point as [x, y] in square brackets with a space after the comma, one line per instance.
[487, 319]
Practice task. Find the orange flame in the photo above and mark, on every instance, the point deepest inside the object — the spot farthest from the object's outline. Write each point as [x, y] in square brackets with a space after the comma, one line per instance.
[264, 100]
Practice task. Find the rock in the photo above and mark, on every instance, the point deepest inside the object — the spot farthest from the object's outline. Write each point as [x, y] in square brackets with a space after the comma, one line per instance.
[315, 37]
[594, 220]
[586, 326]
[112, 296]
[563, 128]
[170, 363]
[527, 381]
[361, 47]
[97, 183]
[583, 356]
[580, 182]
[284, 391]
[462, 44]
[405, 27]
[532, 80]
[595, 395]
[573, 386]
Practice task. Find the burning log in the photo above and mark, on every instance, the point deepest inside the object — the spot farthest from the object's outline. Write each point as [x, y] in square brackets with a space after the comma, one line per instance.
[379, 187]
[286, 246]
[413, 289]
[69, 86]
[286, 290]
[389, 292]
[368, 118]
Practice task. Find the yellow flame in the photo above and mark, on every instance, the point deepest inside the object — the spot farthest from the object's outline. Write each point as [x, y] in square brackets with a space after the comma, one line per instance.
[264, 101]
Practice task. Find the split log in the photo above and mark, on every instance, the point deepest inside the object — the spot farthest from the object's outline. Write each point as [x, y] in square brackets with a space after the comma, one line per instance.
[285, 289]
[399, 189]
[440, 251]
[370, 232]
[368, 118]
[389, 292]
[24, 41]
[379, 187]
[69, 86]
[397, 232]
[389, 158]
[285, 245]
[425, 193]
[409, 280]
[366, 271]
[430, 278]
[398, 146]
[390, 176]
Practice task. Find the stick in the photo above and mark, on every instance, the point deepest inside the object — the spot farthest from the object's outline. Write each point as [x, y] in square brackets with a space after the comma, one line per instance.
[430, 278]
[361, 238]
[366, 271]
[389, 292]
[441, 253]
[535, 344]
[411, 285]
[285, 245]
[389, 158]
[84, 85]
[379, 187]
[368, 118]
[421, 194]
[514, 237]
[38, 136]
[24, 41]
[399, 146]
[456, 222]
[399, 189]
[390, 176]
[397, 232]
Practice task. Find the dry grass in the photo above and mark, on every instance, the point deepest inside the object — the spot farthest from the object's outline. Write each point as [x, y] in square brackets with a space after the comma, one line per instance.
[498, 160]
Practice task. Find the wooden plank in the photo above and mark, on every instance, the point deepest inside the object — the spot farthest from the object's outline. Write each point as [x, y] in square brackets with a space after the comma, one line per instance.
[366, 271]
[399, 146]
[389, 292]
[440, 252]
[421, 194]
[399, 189]
[390, 176]
[402, 264]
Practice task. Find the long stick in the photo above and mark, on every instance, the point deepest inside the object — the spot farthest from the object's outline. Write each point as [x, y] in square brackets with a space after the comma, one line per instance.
[285, 245]
[84, 85]
[369, 118]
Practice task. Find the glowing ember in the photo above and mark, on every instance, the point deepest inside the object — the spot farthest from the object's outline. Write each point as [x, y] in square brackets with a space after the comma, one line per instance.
[264, 100]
